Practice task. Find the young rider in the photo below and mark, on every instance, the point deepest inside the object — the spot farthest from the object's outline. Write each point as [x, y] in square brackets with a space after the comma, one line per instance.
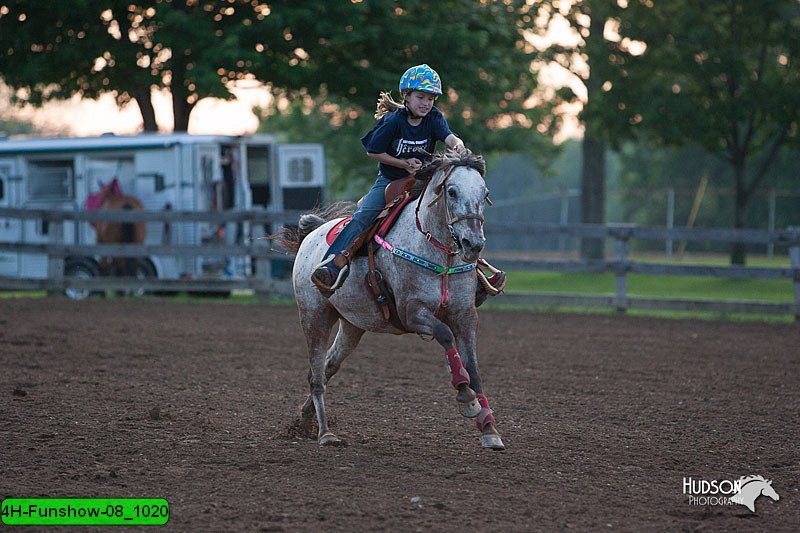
[403, 138]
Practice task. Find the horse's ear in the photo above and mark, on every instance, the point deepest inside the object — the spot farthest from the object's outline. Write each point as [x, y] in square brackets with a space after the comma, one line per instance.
[437, 181]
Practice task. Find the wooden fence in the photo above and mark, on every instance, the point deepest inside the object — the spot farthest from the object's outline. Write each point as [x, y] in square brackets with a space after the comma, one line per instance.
[57, 251]
[262, 252]
[622, 264]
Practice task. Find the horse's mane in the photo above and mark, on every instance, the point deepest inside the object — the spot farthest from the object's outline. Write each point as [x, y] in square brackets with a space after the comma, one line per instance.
[747, 479]
[443, 164]
[451, 159]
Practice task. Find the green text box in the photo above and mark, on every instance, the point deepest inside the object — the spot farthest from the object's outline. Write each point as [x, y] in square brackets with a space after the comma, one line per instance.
[84, 511]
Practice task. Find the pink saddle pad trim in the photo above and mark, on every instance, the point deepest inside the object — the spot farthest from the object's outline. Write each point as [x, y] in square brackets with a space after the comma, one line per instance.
[336, 230]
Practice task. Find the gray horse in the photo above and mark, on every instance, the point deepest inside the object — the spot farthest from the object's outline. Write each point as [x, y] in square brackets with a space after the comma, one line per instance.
[428, 259]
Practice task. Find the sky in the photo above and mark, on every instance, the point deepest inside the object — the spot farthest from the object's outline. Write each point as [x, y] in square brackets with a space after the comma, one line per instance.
[84, 118]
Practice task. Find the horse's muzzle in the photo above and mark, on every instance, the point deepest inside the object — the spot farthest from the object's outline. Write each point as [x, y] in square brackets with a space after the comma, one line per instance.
[472, 247]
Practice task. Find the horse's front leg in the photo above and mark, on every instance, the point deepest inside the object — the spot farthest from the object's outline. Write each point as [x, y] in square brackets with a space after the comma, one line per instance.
[422, 321]
[465, 331]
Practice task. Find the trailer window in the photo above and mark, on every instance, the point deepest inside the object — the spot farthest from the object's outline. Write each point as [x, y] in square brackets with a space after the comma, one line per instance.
[301, 170]
[258, 174]
[50, 180]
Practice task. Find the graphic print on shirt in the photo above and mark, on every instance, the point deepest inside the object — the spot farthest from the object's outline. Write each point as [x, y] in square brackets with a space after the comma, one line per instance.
[405, 147]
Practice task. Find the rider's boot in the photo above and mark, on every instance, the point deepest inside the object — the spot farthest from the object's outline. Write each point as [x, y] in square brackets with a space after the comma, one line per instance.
[328, 277]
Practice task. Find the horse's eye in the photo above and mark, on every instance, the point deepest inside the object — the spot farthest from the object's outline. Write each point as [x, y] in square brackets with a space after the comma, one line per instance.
[451, 192]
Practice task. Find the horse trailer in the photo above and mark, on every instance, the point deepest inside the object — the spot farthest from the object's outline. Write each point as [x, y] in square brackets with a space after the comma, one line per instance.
[180, 172]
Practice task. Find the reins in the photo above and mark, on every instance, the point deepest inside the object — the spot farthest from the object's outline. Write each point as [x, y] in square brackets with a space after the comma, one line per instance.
[428, 237]
[447, 269]
[450, 219]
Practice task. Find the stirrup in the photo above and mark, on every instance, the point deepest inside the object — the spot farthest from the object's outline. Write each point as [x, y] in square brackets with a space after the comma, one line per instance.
[343, 272]
[493, 285]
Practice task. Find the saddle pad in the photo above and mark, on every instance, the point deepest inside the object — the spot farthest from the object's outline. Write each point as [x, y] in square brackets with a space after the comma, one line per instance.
[336, 230]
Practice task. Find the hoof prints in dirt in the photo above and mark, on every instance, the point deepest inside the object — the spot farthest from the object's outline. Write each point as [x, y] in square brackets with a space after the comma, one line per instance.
[604, 416]
[302, 429]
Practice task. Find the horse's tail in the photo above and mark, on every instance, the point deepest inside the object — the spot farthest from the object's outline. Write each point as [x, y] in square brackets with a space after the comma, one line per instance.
[290, 238]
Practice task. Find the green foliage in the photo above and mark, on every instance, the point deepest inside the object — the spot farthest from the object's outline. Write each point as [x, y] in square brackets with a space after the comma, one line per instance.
[719, 74]
[339, 51]
[58, 49]
[10, 126]
[336, 57]
[354, 50]
[648, 171]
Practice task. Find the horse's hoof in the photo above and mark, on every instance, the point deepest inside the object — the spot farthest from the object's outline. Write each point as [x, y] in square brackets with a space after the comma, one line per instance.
[492, 441]
[467, 402]
[469, 409]
[329, 439]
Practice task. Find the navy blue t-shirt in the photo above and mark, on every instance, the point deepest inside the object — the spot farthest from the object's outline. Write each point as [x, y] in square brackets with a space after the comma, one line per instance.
[395, 136]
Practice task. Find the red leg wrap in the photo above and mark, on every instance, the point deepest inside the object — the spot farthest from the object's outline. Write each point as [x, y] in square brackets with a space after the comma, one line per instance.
[485, 417]
[458, 374]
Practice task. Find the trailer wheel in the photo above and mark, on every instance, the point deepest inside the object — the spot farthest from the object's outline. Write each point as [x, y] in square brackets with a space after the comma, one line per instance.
[144, 270]
[80, 268]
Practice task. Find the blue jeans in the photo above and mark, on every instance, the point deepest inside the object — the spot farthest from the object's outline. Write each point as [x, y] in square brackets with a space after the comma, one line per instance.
[373, 204]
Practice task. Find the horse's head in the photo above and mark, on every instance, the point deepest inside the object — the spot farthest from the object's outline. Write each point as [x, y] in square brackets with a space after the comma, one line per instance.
[751, 488]
[767, 490]
[457, 182]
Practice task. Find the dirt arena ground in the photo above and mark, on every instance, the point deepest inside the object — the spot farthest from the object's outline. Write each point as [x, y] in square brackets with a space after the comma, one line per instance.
[603, 417]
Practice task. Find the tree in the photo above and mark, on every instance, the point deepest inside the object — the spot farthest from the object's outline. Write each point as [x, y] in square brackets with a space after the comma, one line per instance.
[342, 51]
[334, 58]
[54, 50]
[648, 171]
[719, 74]
[587, 60]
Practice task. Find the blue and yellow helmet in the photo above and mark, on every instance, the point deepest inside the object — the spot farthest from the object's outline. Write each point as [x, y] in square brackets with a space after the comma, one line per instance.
[421, 78]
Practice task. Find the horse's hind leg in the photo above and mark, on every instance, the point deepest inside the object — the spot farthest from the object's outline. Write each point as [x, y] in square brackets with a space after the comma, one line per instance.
[347, 339]
[317, 326]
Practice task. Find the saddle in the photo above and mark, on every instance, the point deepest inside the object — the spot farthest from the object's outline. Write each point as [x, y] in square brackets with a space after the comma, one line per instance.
[397, 194]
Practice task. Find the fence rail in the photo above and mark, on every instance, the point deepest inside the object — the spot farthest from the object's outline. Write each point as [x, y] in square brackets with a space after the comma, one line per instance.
[622, 265]
[57, 251]
[260, 250]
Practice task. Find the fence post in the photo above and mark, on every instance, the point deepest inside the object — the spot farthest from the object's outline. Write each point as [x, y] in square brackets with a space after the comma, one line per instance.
[263, 275]
[670, 219]
[771, 221]
[55, 261]
[794, 257]
[563, 219]
[622, 248]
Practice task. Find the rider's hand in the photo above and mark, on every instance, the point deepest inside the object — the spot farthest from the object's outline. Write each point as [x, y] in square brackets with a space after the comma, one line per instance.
[413, 164]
